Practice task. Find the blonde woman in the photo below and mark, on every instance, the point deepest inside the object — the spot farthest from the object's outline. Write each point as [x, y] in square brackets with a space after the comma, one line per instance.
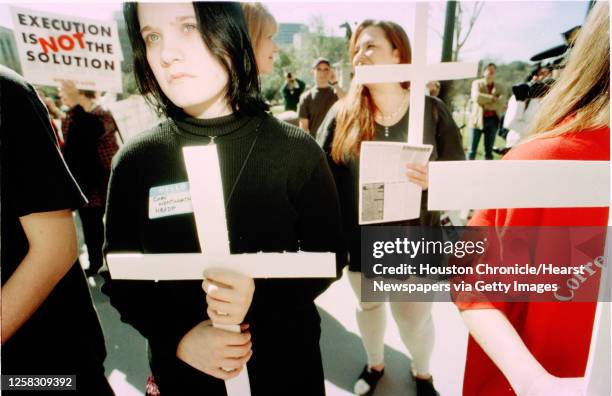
[539, 348]
[262, 29]
[380, 112]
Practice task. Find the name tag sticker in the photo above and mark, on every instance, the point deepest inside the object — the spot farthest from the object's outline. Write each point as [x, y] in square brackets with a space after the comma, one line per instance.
[169, 200]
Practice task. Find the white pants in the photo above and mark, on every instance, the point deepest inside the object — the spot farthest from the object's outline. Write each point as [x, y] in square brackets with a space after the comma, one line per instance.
[413, 320]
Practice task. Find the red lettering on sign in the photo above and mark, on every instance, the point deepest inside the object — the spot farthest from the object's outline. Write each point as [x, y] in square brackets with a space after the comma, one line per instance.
[48, 44]
[65, 42]
[79, 37]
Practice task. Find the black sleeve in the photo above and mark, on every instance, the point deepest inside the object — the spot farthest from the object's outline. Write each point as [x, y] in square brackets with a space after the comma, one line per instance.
[448, 137]
[34, 167]
[319, 230]
[149, 306]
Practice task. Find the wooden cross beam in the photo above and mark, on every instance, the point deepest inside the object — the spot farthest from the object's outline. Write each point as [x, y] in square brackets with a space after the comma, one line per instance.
[518, 184]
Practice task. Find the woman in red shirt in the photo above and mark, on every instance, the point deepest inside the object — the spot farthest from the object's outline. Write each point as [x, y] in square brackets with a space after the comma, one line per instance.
[541, 348]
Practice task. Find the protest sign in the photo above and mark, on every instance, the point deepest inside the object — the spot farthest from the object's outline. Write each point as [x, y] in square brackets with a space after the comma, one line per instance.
[56, 47]
[133, 116]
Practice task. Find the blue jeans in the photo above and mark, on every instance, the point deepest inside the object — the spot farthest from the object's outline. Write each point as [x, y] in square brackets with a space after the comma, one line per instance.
[490, 126]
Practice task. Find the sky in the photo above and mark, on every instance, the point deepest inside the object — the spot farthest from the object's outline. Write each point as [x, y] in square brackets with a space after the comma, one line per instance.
[504, 32]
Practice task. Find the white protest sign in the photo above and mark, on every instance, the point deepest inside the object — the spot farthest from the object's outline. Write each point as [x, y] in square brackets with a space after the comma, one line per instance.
[132, 116]
[206, 190]
[55, 47]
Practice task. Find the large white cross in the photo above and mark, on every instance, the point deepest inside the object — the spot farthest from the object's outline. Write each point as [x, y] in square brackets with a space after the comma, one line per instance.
[419, 72]
[206, 192]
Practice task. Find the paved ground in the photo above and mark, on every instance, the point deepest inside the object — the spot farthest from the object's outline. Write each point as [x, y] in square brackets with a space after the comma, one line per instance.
[343, 355]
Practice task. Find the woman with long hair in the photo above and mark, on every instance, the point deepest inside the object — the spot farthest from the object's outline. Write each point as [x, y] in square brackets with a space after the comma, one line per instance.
[380, 112]
[195, 63]
[540, 348]
[262, 29]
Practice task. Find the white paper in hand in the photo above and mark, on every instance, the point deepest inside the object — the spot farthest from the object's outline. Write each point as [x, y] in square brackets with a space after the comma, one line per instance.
[385, 194]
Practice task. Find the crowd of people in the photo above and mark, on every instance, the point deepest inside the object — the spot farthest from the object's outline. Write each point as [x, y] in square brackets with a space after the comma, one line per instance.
[287, 188]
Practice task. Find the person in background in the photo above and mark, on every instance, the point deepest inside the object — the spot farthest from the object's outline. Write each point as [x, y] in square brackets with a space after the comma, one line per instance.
[488, 105]
[381, 112]
[433, 87]
[49, 324]
[316, 102]
[262, 29]
[90, 136]
[55, 114]
[541, 348]
[522, 110]
[292, 90]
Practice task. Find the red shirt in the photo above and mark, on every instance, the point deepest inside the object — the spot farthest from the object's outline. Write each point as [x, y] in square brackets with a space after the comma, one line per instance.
[557, 334]
[490, 113]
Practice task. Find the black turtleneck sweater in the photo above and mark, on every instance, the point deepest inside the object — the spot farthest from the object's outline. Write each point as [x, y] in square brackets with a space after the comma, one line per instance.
[283, 200]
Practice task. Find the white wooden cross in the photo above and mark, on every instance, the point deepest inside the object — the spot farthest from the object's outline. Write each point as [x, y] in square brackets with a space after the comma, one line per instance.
[206, 192]
[419, 72]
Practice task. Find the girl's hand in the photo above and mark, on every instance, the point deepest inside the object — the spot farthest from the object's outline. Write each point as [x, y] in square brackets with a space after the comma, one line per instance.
[228, 295]
[219, 353]
[548, 384]
[418, 174]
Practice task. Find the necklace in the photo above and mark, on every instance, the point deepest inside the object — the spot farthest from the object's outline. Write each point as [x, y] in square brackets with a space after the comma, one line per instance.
[386, 119]
[244, 163]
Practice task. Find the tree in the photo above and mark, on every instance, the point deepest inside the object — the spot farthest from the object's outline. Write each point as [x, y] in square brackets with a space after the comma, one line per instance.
[284, 62]
[456, 34]
[321, 43]
[348, 31]
[462, 31]
[318, 42]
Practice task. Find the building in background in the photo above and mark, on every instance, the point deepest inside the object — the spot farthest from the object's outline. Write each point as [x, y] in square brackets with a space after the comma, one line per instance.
[129, 83]
[124, 40]
[287, 32]
[8, 50]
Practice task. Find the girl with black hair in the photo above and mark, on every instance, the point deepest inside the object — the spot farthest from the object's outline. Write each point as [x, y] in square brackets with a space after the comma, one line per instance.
[195, 63]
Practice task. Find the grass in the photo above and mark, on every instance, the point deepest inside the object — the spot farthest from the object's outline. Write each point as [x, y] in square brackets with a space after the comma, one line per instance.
[465, 134]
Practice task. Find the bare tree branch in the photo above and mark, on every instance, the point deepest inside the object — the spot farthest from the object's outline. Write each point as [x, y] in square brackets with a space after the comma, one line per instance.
[475, 13]
[473, 18]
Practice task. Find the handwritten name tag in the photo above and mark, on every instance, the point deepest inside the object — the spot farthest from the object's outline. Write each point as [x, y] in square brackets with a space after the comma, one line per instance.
[169, 200]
